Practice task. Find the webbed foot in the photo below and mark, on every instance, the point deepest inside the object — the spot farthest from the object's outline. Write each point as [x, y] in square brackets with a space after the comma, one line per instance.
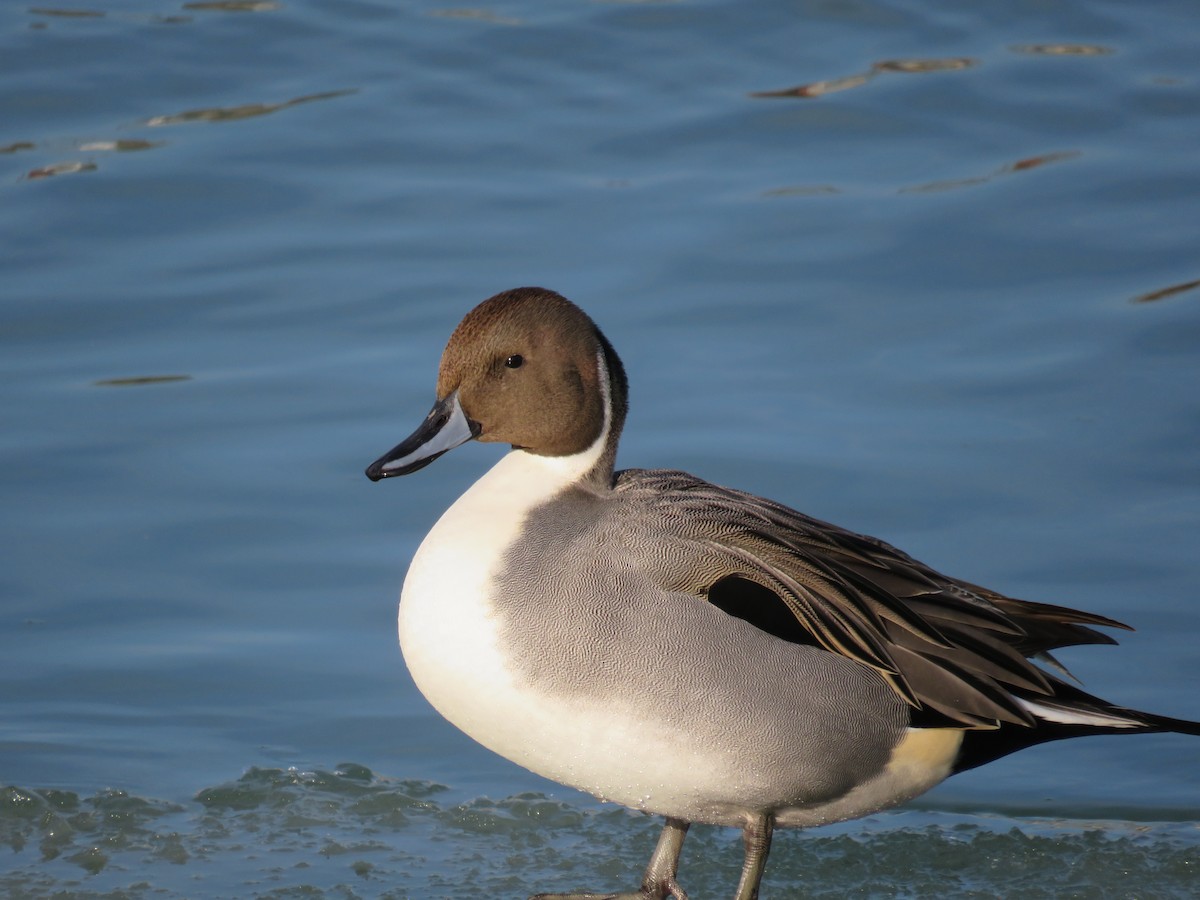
[672, 890]
[659, 881]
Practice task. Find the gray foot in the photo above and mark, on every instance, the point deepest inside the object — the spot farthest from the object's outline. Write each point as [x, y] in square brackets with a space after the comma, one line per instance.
[659, 881]
[657, 892]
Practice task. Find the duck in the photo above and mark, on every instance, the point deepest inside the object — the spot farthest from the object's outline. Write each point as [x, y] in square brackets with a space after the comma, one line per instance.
[688, 650]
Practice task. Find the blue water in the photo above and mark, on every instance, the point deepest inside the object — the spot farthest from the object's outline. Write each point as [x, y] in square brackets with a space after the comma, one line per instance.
[940, 287]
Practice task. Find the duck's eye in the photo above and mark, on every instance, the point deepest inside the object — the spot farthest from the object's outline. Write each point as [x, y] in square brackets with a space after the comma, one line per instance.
[515, 361]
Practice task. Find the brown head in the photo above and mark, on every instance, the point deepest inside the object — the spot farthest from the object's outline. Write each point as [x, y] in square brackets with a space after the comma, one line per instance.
[528, 368]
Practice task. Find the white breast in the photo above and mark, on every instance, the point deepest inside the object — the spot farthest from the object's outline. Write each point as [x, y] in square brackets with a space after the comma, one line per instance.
[447, 621]
[446, 625]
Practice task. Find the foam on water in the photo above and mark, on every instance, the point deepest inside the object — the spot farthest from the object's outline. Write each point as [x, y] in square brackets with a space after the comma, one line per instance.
[350, 833]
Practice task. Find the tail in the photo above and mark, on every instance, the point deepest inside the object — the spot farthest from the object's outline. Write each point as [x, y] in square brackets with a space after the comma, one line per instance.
[1068, 713]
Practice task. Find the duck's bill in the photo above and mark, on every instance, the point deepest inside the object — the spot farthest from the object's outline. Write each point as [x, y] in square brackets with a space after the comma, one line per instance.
[444, 428]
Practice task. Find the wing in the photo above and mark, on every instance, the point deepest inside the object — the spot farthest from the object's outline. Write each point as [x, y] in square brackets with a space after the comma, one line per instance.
[954, 651]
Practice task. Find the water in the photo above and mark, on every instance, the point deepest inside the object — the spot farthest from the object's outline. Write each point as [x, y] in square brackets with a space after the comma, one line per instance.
[931, 300]
[276, 833]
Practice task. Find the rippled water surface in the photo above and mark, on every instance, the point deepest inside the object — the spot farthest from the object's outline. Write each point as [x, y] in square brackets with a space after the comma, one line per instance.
[929, 270]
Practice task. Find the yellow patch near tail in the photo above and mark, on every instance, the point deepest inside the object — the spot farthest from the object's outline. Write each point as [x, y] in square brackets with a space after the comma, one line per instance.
[925, 754]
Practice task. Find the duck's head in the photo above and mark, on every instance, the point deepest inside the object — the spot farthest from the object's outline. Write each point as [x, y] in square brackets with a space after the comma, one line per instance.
[528, 368]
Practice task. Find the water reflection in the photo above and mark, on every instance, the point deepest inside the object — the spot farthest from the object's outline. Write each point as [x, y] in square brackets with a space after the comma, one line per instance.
[122, 146]
[818, 88]
[920, 66]
[233, 113]
[477, 15]
[1163, 293]
[1033, 162]
[66, 13]
[903, 66]
[802, 190]
[62, 168]
[1062, 49]
[139, 380]
[1021, 165]
[71, 167]
[1025, 164]
[57, 13]
[235, 5]
[133, 145]
[924, 65]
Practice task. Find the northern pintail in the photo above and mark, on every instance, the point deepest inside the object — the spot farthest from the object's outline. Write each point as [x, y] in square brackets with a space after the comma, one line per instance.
[690, 650]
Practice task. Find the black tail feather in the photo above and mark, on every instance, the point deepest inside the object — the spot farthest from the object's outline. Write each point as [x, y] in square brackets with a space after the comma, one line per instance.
[984, 745]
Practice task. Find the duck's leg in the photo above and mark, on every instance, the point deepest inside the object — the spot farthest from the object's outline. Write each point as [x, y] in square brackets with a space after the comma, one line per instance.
[756, 837]
[659, 881]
